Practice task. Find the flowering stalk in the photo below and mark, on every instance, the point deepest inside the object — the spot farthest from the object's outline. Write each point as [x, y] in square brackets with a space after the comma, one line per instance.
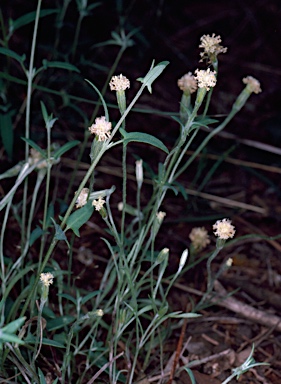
[46, 280]
[224, 230]
[253, 86]
[120, 84]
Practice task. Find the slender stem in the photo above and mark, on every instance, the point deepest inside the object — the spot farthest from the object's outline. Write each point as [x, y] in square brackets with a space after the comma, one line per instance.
[30, 76]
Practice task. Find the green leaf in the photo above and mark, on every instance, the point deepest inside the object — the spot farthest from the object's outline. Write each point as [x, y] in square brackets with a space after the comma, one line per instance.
[79, 217]
[7, 337]
[60, 235]
[6, 132]
[153, 74]
[68, 297]
[41, 377]
[145, 138]
[12, 54]
[52, 343]
[66, 147]
[190, 374]
[29, 18]
[89, 296]
[14, 325]
[35, 234]
[102, 100]
[35, 146]
[59, 64]
[59, 322]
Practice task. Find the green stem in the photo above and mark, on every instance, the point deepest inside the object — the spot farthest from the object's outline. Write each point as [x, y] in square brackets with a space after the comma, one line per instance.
[27, 116]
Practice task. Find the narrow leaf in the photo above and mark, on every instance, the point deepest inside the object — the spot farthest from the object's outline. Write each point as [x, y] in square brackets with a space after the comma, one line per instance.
[66, 147]
[14, 325]
[59, 235]
[59, 322]
[153, 74]
[12, 54]
[35, 146]
[6, 132]
[29, 18]
[145, 138]
[60, 64]
[35, 234]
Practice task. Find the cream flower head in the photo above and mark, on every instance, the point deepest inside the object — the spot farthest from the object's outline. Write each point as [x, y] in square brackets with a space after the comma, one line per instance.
[98, 204]
[211, 46]
[46, 279]
[82, 198]
[252, 84]
[119, 83]
[224, 229]
[206, 79]
[101, 128]
[36, 157]
[187, 83]
[199, 238]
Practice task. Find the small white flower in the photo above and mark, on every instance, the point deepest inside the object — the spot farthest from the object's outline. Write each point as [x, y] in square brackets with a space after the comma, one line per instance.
[229, 262]
[82, 198]
[160, 216]
[199, 238]
[252, 84]
[98, 204]
[187, 83]
[224, 229]
[46, 278]
[139, 173]
[101, 128]
[183, 259]
[119, 83]
[211, 45]
[206, 79]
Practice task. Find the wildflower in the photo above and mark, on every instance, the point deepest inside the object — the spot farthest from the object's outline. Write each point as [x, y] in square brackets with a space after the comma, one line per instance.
[206, 79]
[199, 238]
[82, 198]
[36, 157]
[98, 204]
[163, 255]
[101, 128]
[211, 46]
[120, 206]
[187, 83]
[99, 312]
[119, 83]
[160, 216]
[183, 259]
[139, 173]
[253, 84]
[46, 279]
[229, 262]
[224, 229]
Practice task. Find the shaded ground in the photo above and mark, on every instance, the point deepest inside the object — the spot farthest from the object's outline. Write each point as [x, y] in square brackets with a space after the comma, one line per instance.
[171, 31]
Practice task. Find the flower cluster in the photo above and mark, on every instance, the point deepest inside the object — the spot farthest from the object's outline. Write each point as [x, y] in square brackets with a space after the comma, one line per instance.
[101, 128]
[36, 157]
[187, 83]
[98, 204]
[82, 198]
[224, 229]
[252, 84]
[199, 238]
[211, 46]
[46, 279]
[119, 83]
[206, 79]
